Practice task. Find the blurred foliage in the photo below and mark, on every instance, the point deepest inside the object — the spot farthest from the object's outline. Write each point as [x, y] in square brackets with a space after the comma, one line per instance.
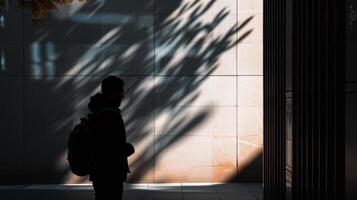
[40, 8]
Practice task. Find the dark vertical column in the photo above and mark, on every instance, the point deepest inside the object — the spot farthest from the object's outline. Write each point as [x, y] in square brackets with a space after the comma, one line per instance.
[274, 99]
[351, 100]
[318, 128]
[304, 62]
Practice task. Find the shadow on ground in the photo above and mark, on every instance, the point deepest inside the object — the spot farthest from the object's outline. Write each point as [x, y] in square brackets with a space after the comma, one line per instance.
[251, 191]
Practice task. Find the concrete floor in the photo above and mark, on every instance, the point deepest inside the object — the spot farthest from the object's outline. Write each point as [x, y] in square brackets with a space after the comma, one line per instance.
[170, 191]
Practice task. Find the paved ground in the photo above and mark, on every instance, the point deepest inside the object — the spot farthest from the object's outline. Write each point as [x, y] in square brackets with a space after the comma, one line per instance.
[173, 191]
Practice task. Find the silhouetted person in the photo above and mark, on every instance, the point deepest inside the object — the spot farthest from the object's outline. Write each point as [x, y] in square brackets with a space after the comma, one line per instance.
[108, 141]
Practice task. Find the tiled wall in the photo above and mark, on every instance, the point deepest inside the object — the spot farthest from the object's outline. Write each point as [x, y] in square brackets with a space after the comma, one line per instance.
[193, 106]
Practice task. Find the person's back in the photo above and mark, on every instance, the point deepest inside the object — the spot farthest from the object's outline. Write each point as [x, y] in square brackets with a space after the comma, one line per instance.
[108, 141]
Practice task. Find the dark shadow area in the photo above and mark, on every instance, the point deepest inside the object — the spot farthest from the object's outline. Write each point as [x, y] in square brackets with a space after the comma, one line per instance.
[163, 50]
[253, 172]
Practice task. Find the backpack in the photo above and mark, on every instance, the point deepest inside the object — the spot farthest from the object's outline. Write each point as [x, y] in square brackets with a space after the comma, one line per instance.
[79, 156]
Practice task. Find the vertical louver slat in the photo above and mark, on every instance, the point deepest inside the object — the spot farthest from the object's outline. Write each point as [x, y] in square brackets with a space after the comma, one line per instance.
[274, 102]
[318, 63]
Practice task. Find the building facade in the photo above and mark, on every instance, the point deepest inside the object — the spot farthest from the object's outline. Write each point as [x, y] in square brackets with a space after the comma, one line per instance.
[194, 87]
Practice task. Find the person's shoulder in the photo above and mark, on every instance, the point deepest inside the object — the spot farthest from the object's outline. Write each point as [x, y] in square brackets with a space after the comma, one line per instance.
[108, 112]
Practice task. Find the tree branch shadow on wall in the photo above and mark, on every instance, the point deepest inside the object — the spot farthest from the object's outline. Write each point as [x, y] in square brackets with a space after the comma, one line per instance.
[177, 46]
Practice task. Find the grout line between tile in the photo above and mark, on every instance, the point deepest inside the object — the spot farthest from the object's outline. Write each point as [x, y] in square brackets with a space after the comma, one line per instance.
[217, 193]
[181, 191]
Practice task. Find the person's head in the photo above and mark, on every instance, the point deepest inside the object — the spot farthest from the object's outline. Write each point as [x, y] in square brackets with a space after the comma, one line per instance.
[113, 90]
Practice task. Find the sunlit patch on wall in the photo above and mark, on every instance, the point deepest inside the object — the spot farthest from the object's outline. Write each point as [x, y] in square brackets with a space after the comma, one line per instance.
[43, 64]
[50, 59]
[36, 60]
[2, 21]
[2, 61]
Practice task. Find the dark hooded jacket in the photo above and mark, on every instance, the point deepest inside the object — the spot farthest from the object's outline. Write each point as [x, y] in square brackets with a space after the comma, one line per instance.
[107, 140]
